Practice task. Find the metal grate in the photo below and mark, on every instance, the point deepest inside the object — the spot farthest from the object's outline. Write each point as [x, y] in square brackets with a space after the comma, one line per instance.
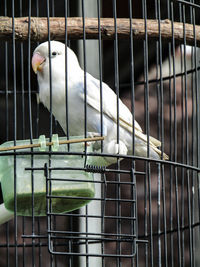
[118, 238]
[145, 212]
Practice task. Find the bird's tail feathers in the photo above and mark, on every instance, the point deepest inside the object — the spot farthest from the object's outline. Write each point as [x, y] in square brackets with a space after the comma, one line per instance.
[153, 145]
[159, 152]
[155, 141]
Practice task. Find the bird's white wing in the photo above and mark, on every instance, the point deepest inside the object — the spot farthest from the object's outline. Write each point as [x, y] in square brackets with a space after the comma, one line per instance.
[109, 108]
[109, 104]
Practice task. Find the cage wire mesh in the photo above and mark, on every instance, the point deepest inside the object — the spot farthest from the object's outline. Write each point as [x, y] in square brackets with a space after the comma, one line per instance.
[145, 212]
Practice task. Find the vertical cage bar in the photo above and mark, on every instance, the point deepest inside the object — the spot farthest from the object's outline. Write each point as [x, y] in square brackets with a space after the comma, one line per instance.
[37, 96]
[147, 128]
[100, 68]
[171, 146]
[186, 141]
[103, 188]
[23, 117]
[193, 152]
[195, 129]
[116, 89]
[85, 116]
[6, 130]
[158, 130]
[15, 131]
[175, 140]
[6, 81]
[182, 146]
[50, 222]
[162, 135]
[66, 71]
[31, 129]
[134, 247]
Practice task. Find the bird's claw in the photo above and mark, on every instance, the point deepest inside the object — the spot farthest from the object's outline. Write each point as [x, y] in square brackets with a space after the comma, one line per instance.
[113, 147]
[93, 134]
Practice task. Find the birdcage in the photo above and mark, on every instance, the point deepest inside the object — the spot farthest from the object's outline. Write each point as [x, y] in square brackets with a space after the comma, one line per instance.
[62, 202]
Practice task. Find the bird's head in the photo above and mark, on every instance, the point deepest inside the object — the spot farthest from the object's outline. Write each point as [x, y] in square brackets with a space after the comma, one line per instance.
[41, 57]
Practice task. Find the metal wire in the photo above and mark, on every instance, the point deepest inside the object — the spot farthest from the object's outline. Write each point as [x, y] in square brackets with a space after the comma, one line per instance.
[147, 209]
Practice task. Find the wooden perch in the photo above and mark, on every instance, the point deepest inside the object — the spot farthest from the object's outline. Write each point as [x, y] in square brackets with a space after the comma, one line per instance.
[39, 29]
[62, 142]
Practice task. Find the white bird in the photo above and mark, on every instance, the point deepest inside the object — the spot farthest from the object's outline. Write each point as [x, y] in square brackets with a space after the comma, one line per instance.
[76, 98]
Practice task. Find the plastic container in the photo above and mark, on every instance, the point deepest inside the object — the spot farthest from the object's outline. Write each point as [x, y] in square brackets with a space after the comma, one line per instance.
[60, 188]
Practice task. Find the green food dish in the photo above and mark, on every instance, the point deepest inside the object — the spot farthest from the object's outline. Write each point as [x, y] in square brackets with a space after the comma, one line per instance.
[65, 184]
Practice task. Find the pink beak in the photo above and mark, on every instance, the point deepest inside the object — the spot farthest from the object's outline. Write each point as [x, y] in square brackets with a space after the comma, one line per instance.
[37, 61]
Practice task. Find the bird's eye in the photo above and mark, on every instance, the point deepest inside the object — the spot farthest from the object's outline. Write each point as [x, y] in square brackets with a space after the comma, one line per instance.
[54, 53]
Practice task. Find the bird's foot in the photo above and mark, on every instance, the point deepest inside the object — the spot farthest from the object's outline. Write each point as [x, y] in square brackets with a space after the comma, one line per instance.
[113, 147]
[93, 134]
[96, 144]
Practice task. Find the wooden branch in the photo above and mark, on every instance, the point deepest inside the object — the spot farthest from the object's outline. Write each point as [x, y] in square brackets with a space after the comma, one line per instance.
[39, 29]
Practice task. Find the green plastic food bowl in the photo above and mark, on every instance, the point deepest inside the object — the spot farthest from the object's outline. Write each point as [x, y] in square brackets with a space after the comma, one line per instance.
[66, 189]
